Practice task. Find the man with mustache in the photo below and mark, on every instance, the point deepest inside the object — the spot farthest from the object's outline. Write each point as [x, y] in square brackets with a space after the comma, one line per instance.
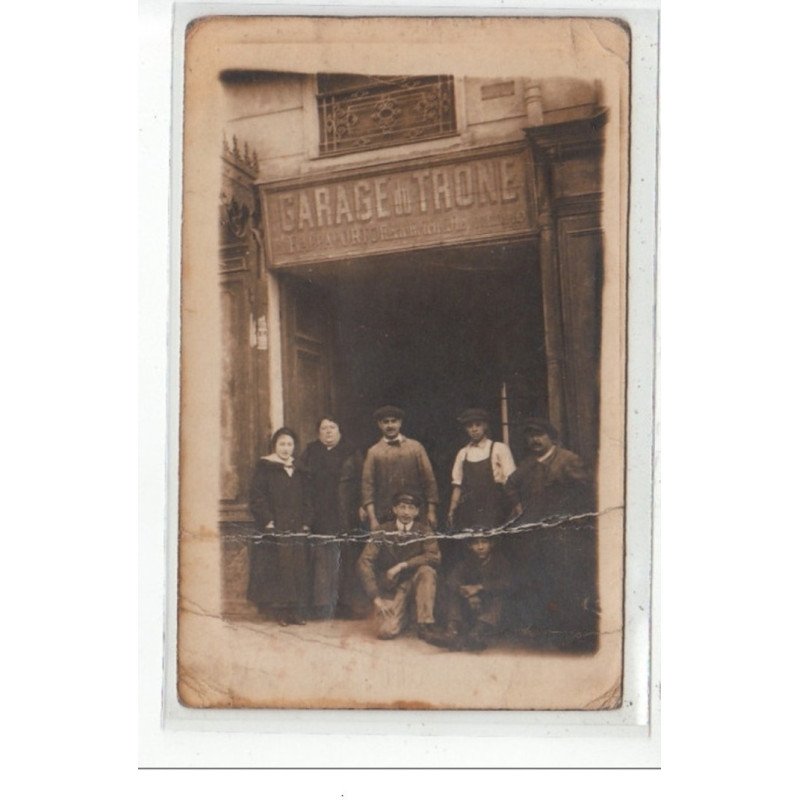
[553, 541]
[396, 464]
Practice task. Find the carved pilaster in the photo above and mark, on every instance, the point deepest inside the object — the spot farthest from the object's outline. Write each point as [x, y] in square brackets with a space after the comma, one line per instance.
[239, 211]
[240, 307]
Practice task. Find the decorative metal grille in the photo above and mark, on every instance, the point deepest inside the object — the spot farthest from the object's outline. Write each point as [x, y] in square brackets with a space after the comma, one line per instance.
[385, 111]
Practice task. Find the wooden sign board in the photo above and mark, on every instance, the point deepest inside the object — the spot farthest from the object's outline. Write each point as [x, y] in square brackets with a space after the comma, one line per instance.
[464, 199]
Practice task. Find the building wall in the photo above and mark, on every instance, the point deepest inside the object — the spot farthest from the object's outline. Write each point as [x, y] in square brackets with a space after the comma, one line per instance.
[276, 115]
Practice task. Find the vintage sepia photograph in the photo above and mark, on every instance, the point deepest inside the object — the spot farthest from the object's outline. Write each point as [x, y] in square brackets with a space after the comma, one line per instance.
[403, 363]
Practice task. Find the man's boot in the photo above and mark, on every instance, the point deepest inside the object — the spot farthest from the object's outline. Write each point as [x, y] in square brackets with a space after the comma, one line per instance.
[476, 639]
[449, 638]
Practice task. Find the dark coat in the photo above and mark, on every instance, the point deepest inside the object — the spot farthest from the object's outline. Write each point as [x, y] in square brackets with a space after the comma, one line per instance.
[494, 574]
[280, 575]
[334, 477]
[555, 565]
[280, 498]
[558, 487]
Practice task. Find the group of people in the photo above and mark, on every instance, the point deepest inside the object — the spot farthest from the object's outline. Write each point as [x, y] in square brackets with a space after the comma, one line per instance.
[341, 534]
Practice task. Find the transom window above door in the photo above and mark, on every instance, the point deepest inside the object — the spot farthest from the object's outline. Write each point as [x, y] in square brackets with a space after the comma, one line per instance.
[366, 112]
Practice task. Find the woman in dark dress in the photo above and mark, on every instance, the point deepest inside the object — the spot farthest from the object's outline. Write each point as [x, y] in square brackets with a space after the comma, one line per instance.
[334, 473]
[280, 576]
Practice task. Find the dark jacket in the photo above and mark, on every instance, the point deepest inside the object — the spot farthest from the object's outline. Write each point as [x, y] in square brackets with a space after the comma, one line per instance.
[417, 548]
[277, 497]
[333, 477]
[280, 570]
[494, 574]
[557, 487]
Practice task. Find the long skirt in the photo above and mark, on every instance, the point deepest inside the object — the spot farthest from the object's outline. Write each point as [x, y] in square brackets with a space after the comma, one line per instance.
[325, 558]
[280, 574]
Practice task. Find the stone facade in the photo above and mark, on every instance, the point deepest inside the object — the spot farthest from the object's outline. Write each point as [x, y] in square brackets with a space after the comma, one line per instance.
[512, 186]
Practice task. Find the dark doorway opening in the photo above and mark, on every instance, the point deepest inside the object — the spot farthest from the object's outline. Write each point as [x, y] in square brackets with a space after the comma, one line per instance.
[434, 333]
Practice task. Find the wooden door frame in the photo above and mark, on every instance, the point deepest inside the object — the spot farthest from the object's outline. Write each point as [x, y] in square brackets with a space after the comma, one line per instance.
[293, 342]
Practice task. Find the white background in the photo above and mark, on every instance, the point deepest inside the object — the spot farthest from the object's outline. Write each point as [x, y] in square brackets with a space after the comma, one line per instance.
[728, 265]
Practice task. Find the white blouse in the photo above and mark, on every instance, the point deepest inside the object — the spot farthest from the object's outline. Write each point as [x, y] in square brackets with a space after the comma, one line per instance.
[502, 460]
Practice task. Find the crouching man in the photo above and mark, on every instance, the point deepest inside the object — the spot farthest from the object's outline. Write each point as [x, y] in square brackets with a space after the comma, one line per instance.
[476, 596]
[398, 568]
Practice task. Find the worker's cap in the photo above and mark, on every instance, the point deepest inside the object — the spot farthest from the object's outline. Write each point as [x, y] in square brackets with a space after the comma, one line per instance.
[388, 411]
[473, 415]
[539, 425]
[407, 497]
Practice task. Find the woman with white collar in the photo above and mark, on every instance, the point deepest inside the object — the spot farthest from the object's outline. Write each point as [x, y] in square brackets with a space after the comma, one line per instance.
[280, 570]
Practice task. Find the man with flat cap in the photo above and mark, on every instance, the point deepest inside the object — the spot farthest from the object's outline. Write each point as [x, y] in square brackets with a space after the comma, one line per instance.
[398, 570]
[556, 561]
[480, 471]
[396, 464]
[552, 481]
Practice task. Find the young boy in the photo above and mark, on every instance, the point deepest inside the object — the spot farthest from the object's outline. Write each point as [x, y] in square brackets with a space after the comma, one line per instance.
[398, 566]
[480, 471]
[477, 589]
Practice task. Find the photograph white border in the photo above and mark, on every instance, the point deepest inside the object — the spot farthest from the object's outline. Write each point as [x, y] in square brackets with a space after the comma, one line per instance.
[186, 737]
